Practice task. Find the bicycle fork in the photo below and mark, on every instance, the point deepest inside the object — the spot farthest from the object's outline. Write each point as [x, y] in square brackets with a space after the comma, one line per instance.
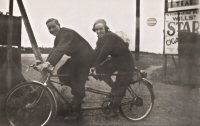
[135, 100]
[36, 101]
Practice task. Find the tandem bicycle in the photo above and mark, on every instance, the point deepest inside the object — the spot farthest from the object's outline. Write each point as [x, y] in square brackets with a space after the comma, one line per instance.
[36, 102]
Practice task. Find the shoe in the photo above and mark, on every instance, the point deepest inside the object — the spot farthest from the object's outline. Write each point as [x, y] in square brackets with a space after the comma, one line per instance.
[109, 97]
[73, 116]
[111, 115]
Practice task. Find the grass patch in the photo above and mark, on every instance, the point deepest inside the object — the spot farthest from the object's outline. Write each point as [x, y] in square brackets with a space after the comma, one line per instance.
[148, 59]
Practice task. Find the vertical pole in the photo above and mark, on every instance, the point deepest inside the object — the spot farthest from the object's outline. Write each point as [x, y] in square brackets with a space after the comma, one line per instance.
[179, 65]
[165, 56]
[137, 36]
[166, 6]
[174, 61]
[171, 3]
[165, 67]
[165, 11]
[9, 47]
[11, 8]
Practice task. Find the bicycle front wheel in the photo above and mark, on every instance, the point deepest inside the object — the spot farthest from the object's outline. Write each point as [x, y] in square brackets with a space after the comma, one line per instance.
[29, 104]
[138, 100]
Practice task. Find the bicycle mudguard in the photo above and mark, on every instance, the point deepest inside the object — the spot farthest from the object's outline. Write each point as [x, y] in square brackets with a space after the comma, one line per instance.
[148, 82]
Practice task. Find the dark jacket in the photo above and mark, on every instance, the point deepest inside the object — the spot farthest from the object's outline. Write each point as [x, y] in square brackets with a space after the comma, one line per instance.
[112, 44]
[69, 42]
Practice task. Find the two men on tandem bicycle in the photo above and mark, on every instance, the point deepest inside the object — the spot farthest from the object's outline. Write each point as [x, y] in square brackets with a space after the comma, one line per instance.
[68, 42]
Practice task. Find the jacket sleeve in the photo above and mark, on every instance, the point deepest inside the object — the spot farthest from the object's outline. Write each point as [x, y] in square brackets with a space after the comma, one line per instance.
[50, 54]
[105, 50]
[64, 41]
[98, 48]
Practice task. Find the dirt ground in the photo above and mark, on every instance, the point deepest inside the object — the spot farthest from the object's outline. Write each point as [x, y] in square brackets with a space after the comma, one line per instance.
[174, 106]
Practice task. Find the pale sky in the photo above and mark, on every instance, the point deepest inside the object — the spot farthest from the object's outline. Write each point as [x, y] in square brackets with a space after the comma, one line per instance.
[81, 14]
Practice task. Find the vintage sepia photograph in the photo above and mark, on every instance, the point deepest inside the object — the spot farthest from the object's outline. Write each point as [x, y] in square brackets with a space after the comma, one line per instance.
[99, 63]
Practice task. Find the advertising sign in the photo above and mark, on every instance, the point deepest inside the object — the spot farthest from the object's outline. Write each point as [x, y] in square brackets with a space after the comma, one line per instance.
[177, 5]
[176, 21]
[151, 21]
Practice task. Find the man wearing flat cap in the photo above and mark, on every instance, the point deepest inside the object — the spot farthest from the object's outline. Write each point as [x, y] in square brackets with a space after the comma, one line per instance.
[69, 42]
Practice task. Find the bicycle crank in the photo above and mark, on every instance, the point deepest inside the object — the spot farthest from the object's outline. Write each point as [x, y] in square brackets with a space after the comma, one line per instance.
[106, 107]
[137, 101]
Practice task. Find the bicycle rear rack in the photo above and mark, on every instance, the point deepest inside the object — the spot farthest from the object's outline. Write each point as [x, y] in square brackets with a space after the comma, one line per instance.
[89, 89]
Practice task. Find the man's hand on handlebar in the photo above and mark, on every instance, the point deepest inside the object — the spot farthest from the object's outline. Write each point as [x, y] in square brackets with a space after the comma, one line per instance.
[93, 71]
[43, 66]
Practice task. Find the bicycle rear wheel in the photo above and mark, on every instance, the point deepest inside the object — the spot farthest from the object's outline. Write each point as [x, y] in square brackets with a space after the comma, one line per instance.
[29, 104]
[138, 100]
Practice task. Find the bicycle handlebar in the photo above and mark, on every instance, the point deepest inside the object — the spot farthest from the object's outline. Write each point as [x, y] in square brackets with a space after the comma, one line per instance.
[142, 73]
[34, 66]
[92, 72]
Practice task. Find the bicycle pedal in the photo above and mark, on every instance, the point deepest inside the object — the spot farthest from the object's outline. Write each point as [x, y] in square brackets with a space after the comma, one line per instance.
[108, 97]
[111, 116]
[138, 101]
[73, 116]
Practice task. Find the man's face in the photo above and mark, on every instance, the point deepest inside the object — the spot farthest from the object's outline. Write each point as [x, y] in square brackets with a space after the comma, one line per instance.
[100, 30]
[53, 27]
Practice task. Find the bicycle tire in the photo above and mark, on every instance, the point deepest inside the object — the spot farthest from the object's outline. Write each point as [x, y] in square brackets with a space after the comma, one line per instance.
[20, 108]
[137, 108]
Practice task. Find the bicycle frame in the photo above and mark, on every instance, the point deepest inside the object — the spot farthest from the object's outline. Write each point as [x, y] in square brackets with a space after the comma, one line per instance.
[49, 83]
[48, 89]
[87, 89]
[96, 91]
